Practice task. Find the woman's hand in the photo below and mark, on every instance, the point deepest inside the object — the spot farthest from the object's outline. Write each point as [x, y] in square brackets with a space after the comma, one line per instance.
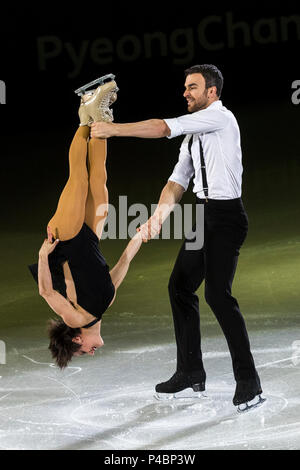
[47, 247]
[151, 228]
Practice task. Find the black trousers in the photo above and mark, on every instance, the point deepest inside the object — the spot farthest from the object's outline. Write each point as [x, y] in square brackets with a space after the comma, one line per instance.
[225, 229]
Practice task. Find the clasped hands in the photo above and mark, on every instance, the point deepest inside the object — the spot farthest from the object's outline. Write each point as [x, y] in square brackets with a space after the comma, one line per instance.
[151, 228]
[48, 245]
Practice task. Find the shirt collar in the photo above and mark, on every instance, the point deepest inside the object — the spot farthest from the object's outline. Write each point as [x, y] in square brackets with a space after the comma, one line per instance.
[215, 104]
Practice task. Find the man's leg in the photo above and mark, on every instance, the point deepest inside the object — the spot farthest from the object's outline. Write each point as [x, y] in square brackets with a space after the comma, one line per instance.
[97, 199]
[221, 256]
[69, 216]
[185, 279]
[187, 275]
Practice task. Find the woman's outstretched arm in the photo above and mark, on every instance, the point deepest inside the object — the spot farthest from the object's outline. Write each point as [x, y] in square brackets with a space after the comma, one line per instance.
[44, 275]
[73, 318]
[119, 271]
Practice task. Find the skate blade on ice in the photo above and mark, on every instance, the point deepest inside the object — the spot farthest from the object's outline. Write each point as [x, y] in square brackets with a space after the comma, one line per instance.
[250, 405]
[184, 394]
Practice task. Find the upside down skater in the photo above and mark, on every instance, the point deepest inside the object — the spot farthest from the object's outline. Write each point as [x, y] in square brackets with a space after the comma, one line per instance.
[71, 272]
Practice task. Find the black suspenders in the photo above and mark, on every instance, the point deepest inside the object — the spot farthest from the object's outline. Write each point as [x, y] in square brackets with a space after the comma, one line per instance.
[203, 168]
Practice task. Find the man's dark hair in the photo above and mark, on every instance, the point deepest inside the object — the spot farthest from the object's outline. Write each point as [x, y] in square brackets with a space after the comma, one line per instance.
[212, 75]
[61, 345]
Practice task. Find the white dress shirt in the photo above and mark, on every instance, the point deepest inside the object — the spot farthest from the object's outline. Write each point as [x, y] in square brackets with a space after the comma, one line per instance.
[219, 132]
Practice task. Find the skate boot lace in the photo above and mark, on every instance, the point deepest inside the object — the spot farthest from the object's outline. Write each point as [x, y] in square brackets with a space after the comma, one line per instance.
[106, 101]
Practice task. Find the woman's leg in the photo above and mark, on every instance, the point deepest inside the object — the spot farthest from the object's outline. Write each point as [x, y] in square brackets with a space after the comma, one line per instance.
[69, 216]
[97, 200]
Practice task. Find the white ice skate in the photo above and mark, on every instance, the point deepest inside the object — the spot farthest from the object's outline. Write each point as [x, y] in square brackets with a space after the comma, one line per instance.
[94, 105]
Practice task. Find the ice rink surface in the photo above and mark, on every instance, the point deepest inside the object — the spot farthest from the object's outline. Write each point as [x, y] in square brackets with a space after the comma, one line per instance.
[107, 401]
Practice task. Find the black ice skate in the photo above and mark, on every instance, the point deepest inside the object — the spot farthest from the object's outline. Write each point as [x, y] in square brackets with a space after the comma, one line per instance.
[248, 395]
[179, 382]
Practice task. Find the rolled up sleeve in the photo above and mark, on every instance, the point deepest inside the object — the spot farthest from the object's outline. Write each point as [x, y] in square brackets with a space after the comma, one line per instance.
[206, 120]
[184, 168]
[174, 127]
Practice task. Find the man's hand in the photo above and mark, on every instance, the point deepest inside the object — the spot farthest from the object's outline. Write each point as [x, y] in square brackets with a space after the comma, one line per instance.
[151, 228]
[102, 130]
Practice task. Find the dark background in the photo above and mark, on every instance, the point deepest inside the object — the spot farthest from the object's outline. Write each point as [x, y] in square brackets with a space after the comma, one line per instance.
[40, 114]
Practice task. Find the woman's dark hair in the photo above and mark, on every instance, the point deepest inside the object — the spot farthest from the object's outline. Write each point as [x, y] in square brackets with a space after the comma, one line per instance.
[212, 76]
[61, 345]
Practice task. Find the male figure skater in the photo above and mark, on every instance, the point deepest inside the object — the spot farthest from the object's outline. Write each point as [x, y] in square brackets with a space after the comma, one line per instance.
[211, 153]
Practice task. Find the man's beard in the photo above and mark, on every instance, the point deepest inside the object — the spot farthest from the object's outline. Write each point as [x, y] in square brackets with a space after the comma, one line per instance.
[200, 104]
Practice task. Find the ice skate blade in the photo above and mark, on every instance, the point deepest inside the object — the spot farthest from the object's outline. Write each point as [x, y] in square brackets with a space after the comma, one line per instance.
[99, 81]
[183, 395]
[250, 405]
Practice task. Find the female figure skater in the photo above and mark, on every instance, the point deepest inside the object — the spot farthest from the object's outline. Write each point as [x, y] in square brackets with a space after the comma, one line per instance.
[72, 274]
